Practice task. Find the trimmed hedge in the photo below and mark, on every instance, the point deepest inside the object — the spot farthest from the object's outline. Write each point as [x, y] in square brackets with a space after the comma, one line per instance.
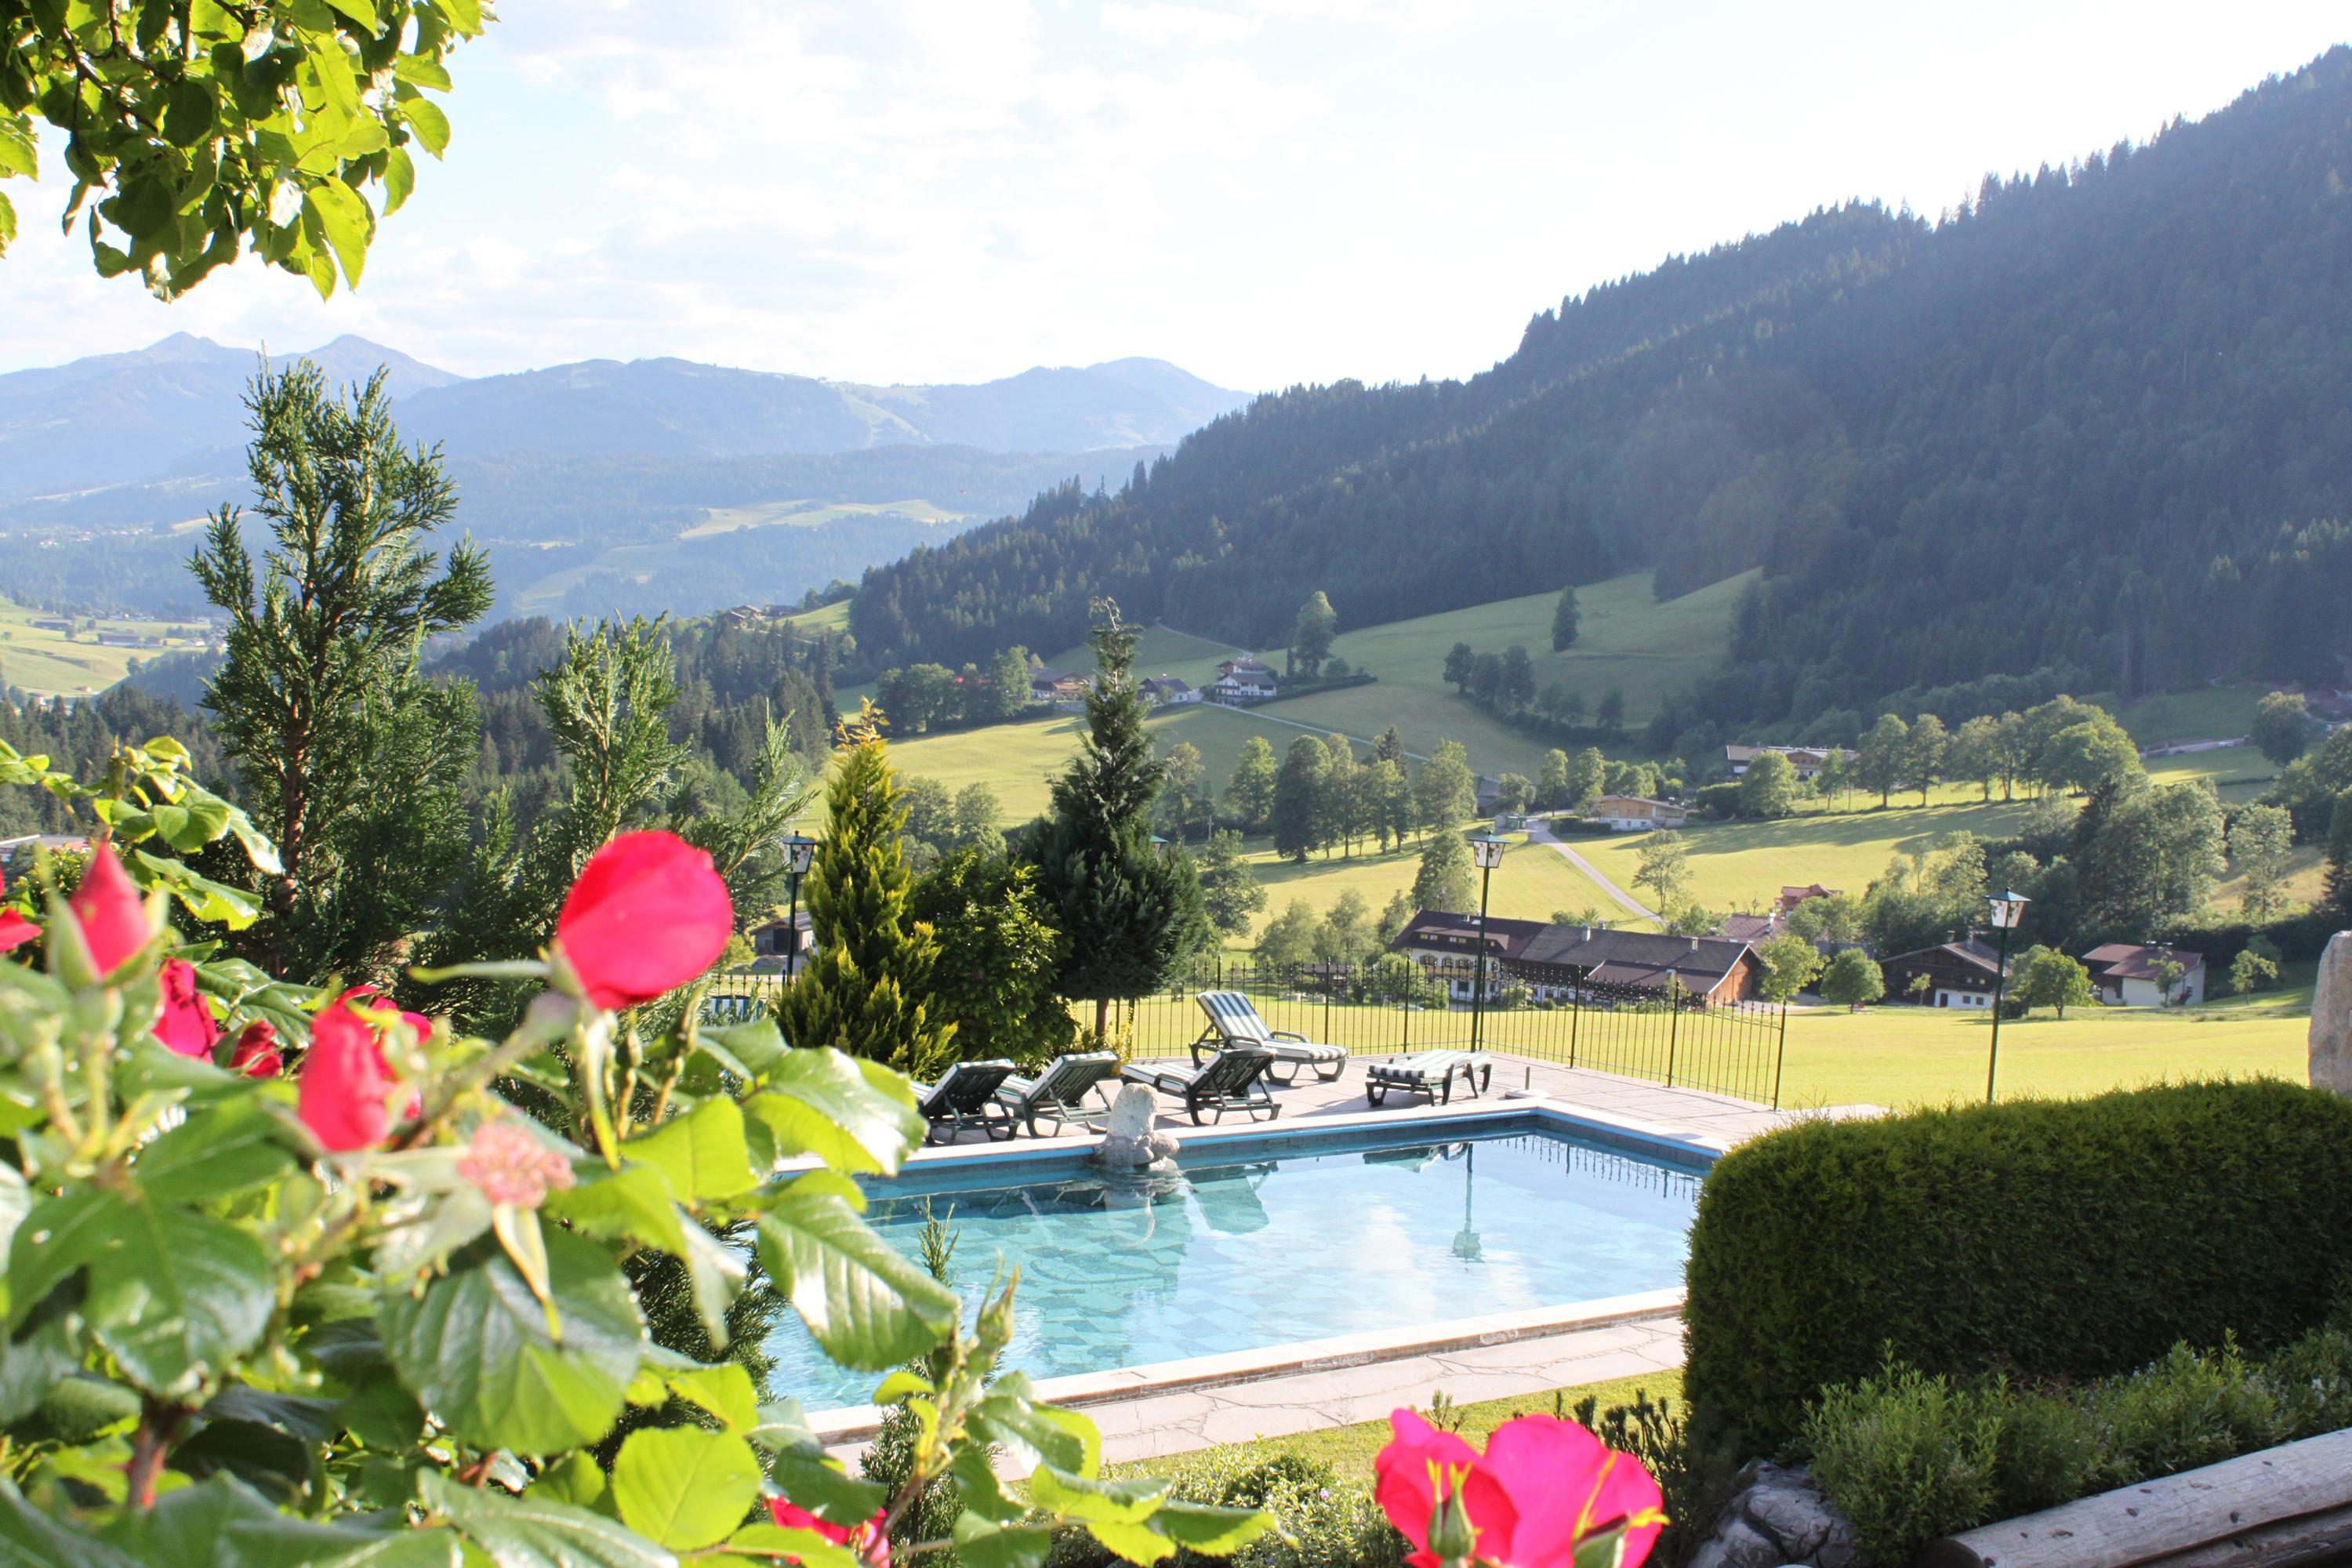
[2045, 1239]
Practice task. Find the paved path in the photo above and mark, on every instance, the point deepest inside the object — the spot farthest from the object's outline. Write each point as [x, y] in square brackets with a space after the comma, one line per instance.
[1539, 832]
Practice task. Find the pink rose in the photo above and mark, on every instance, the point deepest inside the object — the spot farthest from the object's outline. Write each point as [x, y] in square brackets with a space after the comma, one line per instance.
[1542, 1488]
[256, 1053]
[647, 913]
[16, 931]
[343, 1092]
[186, 1027]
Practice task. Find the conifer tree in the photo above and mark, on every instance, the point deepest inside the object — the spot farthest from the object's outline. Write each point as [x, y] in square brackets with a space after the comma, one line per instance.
[1563, 620]
[1389, 747]
[1130, 913]
[862, 990]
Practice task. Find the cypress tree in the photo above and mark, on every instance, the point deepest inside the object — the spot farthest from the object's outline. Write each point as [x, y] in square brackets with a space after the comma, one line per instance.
[1131, 913]
[860, 993]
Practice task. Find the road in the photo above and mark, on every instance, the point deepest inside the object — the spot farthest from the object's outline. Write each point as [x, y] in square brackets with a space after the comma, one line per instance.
[1539, 832]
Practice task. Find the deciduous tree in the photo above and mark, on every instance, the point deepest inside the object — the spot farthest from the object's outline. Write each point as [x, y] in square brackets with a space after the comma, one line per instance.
[1249, 793]
[1663, 866]
[2282, 727]
[1551, 781]
[1311, 633]
[1852, 980]
[1229, 893]
[1922, 753]
[1445, 789]
[1790, 964]
[1000, 956]
[1298, 813]
[2048, 978]
[1443, 880]
[1885, 750]
[1769, 788]
[2261, 840]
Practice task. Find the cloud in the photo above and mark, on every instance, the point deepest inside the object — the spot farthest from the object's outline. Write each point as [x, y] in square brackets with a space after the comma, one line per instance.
[1158, 23]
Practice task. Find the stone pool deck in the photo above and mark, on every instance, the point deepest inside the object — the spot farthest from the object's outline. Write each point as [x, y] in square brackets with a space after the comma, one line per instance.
[1151, 1412]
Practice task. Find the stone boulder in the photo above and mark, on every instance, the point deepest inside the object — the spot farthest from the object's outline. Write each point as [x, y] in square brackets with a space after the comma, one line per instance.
[2331, 1017]
[1780, 1515]
[1131, 1141]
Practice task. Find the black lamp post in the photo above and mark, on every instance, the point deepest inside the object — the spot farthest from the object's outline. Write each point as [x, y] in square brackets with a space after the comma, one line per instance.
[1488, 849]
[800, 852]
[2008, 909]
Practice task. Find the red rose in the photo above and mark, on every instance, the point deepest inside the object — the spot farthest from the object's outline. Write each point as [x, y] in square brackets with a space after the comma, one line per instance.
[16, 931]
[186, 1027]
[256, 1054]
[647, 913]
[866, 1539]
[343, 1094]
[106, 908]
[369, 999]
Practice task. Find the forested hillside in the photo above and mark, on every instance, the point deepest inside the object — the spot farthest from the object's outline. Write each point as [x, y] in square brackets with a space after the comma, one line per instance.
[2091, 424]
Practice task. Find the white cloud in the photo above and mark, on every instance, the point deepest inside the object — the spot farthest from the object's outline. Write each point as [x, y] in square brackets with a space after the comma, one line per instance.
[1157, 22]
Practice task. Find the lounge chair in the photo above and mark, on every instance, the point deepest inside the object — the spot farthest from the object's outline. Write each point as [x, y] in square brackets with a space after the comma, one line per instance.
[1232, 1079]
[1232, 1021]
[1069, 1089]
[1428, 1072]
[965, 1097]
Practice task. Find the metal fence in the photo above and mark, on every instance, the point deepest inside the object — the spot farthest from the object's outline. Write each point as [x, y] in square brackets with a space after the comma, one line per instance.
[1384, 1006]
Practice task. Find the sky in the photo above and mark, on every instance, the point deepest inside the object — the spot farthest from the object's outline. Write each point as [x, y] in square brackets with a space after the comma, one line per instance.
[1264, 191]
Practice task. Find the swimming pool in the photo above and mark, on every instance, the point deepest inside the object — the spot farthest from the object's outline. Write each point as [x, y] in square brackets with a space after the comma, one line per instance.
[1273, 1239]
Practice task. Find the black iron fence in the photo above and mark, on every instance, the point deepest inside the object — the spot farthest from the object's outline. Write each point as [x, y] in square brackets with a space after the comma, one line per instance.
[1388, 1005]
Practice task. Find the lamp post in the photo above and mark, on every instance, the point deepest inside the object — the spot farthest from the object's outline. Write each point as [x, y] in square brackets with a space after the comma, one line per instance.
[1488, 849]
[800, 850]
[2008, 909]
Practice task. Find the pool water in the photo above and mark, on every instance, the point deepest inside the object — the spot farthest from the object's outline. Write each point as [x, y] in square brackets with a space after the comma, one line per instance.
[1265, 1241]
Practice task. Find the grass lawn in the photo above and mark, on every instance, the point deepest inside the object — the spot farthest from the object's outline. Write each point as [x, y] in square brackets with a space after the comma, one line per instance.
[2202, 713]
[1735, 865]
[1531, 883]
[52, 664]
[1350, 1450]
[1161, 652]
[1902, 1055]
[2238, 774]
[824, 617]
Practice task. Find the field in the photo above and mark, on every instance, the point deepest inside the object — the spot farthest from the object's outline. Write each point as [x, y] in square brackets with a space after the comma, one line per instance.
[2205, 713]
[810, 514]
[51, 664]
[1161, 651]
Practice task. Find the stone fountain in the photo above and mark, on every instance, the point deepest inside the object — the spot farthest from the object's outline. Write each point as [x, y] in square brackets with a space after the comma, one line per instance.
[1131, 1141]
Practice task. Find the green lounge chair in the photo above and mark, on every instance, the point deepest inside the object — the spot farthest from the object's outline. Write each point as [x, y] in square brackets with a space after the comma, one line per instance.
[1069, 1089]
[1232, 1079]
[1428, 1072]
[1232, 1021]
[965, 1097]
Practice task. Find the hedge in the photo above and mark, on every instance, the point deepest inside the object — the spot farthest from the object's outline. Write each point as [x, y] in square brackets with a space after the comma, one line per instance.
[2041, 1238]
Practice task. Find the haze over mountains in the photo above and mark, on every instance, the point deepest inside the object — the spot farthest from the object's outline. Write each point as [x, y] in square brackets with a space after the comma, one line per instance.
[174, 408]
[2088, 431]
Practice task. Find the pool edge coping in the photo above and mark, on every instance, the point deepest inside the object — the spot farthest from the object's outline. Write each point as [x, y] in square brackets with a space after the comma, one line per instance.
[850, 1424]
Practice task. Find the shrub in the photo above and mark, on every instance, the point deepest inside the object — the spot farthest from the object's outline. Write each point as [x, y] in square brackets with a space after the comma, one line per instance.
[1904, 1455]
[2053, 1239]
[2188, 1410]
[1325, 1522]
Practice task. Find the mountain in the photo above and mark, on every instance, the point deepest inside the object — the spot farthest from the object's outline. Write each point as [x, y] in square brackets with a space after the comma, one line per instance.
[115, 417]
[2090, 429]
[174, 410]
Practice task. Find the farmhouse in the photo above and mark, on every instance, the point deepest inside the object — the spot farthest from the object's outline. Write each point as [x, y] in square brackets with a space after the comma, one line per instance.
[1564, 959]
[1241, 681]
[1637, 813]
[1807, 761]
[1056, 686]
[1959, 975]
[1446, 945]
[1166, 689]
[774, 939]
[2126, 975]
[1791, 897]
[1748, 927]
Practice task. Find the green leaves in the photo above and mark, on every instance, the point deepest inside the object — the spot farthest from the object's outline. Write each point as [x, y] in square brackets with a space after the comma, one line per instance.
[685, 1487]
[172, 1296]
[475, 1347]
[343, 221]
[701, 1155]
[537, 1533]
[867, 1306]
[854, 1115]
[229, 1150]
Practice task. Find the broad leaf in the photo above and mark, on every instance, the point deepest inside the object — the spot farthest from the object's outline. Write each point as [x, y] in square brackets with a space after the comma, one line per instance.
[223, 1523]
[174, 1296]
[528, 1533]
[1038, 1433]
[780, 1543]
[724, 1390]
[701, 1154]
[716, 1271]
[215, 1152]
[31, 1539]
[867, 1305]
[1092, 1499]
[747, 1050]
[853, 1115]
[572, 1480]
[475, 1348]
[982, 1544]
[685, 1487]
[632, 1203]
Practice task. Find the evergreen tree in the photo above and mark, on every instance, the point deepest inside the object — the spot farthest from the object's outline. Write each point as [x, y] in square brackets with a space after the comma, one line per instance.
[864, 990]
[1298, 813]
[1130, 914]
[1443, 881]
[999, 956]
[348, 759]
[1389, 747]
[1563, 620]
[1229, 893]
[1311, 635]
[1249, 793]
[2337, 889]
